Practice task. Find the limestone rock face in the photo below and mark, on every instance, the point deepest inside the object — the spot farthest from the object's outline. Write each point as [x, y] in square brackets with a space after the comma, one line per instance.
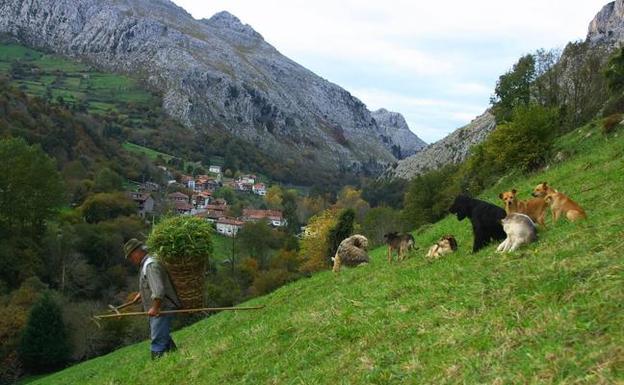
[215, 73]
[608, 25]
[396, 132]
[454, 148]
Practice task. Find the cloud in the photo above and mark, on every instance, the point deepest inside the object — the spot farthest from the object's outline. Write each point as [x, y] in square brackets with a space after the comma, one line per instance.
[435, 62]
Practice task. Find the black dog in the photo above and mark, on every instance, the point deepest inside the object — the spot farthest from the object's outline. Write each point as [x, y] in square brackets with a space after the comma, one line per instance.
[485, 218]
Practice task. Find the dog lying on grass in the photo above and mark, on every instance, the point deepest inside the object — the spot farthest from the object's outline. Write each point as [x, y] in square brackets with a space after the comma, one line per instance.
[401, 243]
[535, 208]
[351, 252]
[446, 245]
[485, 218]
[559, 203]
[520, 230]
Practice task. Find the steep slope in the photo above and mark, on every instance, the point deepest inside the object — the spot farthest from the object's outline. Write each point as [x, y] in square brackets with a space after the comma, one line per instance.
[213, 72]
[550, 313]
[452, 149]
[396, 133]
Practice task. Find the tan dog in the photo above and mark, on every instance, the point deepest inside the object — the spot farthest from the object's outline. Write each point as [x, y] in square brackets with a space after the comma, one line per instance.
[535, 208]
[559, 203]
[446, 245]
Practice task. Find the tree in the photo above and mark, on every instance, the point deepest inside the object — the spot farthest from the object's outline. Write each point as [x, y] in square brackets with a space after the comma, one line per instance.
[513, 88]
[379, 221]
[342, 230]
[314, 244]
[257, 239]
[289, 203]
[273, 197]
[31, 189]
[105, 206]
[107, 180]
[45, 344]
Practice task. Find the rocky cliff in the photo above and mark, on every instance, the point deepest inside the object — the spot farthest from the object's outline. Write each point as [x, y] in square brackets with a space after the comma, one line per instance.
[214, 74]
[396, 133]
[608, 25]
[454, 148]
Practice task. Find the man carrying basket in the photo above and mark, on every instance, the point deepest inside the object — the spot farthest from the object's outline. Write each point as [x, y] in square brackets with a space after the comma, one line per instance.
[157, 293]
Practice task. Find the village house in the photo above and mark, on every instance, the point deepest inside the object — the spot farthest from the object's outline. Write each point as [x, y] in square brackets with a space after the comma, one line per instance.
[213, 212]
[201, 199]
[247, 179]
[259, 189]
[182, 208]
[274, 218]
[215, 169]
[149, 187]
[229, 226]
[178, 197]
[144, 201]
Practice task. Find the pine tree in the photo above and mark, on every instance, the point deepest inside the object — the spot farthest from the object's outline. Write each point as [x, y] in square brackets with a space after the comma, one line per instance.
[343, 230]
[44, 346]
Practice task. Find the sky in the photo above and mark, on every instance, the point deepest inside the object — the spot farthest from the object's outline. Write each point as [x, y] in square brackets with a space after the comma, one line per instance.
[435, 62]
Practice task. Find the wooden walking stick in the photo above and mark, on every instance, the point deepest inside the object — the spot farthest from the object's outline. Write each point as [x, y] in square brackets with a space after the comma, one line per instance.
[181, 311]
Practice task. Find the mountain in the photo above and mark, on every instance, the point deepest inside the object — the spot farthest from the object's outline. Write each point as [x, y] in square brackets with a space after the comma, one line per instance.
[397, 132]
[214, 74]
[453, 148]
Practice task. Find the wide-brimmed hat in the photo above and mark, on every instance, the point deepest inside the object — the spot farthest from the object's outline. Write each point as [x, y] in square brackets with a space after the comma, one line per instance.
[130, 246]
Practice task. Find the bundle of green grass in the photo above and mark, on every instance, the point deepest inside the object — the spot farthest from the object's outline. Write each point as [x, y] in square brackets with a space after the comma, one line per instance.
[184, 245]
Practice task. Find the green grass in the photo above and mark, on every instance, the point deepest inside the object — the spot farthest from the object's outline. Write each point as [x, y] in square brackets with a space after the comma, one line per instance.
[150, 153]
[73, 81]
[551, 313]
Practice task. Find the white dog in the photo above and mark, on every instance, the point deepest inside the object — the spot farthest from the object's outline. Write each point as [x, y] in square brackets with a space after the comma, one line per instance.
[520, 230]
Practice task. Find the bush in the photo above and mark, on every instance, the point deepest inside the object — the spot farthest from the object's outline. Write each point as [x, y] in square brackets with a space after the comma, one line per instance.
[269, 280]
[45, 345]
[182, 239]
[610, 123]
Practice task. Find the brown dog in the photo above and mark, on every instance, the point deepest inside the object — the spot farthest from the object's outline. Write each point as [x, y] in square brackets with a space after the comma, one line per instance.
[534, 208]
[399, 242]
[559, 203]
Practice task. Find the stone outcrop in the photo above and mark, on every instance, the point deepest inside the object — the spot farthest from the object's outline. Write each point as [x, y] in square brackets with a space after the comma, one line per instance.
[454, 148]
[396, 133]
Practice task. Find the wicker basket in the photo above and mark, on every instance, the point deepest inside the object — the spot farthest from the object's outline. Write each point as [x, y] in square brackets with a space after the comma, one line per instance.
[188, 279]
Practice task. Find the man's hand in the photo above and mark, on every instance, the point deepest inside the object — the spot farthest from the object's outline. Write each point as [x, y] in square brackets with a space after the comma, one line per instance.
[154, 311]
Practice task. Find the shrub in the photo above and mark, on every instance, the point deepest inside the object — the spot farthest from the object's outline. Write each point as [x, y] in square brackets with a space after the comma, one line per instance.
[45, 346]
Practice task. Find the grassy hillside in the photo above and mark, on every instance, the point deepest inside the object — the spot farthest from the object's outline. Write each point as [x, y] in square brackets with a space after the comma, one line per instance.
[549, 313]
[45, 75]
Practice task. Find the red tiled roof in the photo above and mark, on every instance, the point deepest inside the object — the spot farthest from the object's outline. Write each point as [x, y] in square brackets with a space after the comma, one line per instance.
[182, 206]
[178, 195]
[261, 214]
[230, 221]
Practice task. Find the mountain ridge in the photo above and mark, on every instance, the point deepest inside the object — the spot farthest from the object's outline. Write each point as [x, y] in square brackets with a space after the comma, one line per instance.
[215, 72]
